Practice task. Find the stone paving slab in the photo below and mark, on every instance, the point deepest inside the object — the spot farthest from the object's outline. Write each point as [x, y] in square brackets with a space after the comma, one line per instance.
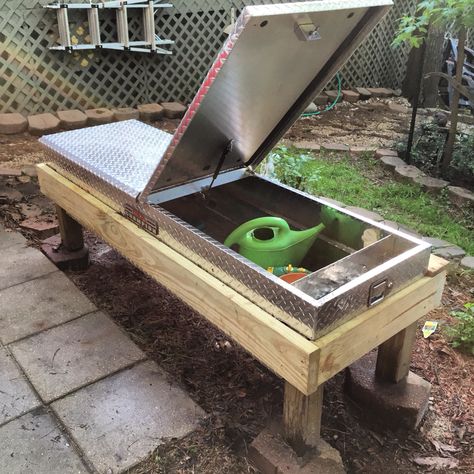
[20, 264]
[9, 239]
[74, 354]
[11, 123]
[366, 213]
[126, 113]
[16, 395]
[40, 304]
[468, 263]
[34, 443]
[173, 110]
[118, 421]
[150, 111]
[450, 253]
[99, 116]
[41, 124]
[72, 119]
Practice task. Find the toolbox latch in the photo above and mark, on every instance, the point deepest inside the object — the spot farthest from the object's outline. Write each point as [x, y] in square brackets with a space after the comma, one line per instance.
[377, 291]
[307, 31]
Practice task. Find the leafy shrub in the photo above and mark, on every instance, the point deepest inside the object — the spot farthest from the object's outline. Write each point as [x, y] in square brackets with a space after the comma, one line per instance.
[292, 167]
[462, 333]
[428, 148]
[463, 156]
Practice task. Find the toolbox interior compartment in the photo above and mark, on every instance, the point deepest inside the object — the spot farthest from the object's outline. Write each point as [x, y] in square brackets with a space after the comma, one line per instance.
[347, 248]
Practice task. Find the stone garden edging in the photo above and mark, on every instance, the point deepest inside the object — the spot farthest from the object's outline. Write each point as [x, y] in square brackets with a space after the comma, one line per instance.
[42, 124]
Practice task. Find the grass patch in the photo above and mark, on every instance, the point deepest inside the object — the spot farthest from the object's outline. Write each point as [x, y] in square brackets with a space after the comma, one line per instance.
[362, 182]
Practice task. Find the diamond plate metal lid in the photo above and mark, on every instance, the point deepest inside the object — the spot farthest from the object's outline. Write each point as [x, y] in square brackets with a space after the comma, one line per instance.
[121, 155]
[277, 58]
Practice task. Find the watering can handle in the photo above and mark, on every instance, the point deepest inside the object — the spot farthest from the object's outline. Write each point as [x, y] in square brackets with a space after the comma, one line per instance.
[241, 232]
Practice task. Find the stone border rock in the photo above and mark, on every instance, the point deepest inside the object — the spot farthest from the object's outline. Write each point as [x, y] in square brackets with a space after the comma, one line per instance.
[42, 124]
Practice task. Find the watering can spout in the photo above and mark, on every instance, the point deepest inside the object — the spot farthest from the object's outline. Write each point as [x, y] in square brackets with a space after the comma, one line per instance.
[305, 238]
[269, 241]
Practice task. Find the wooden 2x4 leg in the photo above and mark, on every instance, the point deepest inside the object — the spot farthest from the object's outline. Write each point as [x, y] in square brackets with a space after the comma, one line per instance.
[72, 237]
[302, 414]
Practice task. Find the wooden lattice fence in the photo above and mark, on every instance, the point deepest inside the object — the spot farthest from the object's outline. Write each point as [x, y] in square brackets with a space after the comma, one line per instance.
[34, 79]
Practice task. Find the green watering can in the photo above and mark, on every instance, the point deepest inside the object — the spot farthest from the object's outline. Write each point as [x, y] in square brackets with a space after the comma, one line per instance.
[269, 241]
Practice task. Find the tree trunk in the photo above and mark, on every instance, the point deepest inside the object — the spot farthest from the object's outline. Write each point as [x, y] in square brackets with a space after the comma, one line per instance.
[449, 147]
[409, 86]
[433, 63]
[415, 101]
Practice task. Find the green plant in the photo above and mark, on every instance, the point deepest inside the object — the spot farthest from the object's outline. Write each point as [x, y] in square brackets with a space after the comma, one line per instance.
[293, 167]
[412, 29]
[428, 148]
[462, 333]
[463, 156]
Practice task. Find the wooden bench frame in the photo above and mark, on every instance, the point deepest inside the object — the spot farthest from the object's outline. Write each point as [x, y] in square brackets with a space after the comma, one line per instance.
[304, 365]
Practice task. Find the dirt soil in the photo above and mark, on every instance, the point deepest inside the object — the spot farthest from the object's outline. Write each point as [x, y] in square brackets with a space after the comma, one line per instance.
[364, 123]
[241, 396]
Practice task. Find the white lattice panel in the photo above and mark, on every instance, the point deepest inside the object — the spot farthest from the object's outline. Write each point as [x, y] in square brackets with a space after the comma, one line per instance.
[34, 79]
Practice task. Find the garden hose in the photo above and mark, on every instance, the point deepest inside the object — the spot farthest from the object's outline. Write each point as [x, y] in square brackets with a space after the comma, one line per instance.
[330, 106]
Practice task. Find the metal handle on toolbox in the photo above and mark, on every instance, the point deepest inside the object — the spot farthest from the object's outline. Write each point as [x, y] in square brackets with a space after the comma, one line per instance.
[378, 291]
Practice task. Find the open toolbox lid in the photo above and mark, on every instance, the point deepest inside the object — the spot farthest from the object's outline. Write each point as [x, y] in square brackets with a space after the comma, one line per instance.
[274, 62]
[277, 58]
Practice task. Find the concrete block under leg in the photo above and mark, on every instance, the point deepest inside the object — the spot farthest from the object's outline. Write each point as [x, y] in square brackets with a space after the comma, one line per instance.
[63, 258]
[271, 455]
[396, 405]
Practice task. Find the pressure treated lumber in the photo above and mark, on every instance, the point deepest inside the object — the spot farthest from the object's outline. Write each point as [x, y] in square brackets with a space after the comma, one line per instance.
[72, 236]
[355, 338]
[437, 265]
[393, 358]
[302, 363]
[287, 353]
[302, 418]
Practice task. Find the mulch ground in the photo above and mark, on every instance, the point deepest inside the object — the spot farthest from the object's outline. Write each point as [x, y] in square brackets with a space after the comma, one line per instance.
[241, 396]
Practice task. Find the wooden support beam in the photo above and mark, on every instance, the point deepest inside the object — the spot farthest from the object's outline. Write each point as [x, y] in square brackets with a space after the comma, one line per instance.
[437, 265]
[302, 363]
[283, 350]
[302, 418]
[355, 338]
[72, 236]
[393, 359]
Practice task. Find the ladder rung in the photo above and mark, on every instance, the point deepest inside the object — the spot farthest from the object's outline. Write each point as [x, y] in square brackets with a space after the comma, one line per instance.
[63, 27]
[94, 25]
[122, 26]
[150, 41]
[149, 25]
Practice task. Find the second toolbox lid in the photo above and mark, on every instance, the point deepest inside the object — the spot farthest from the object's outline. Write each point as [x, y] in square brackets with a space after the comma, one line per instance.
[275, 61]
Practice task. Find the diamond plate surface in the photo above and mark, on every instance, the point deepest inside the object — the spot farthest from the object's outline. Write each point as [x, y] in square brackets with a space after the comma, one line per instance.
[122, 154]
[117, 160]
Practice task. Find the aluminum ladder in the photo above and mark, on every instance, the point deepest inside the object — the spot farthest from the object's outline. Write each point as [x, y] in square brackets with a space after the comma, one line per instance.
[151, 43]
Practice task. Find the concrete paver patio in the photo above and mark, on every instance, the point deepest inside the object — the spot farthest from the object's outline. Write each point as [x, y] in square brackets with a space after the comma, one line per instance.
[34, 443]
[74, 354]
[120, 419]
[76, 394]
[16, 395]
[40, 304]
